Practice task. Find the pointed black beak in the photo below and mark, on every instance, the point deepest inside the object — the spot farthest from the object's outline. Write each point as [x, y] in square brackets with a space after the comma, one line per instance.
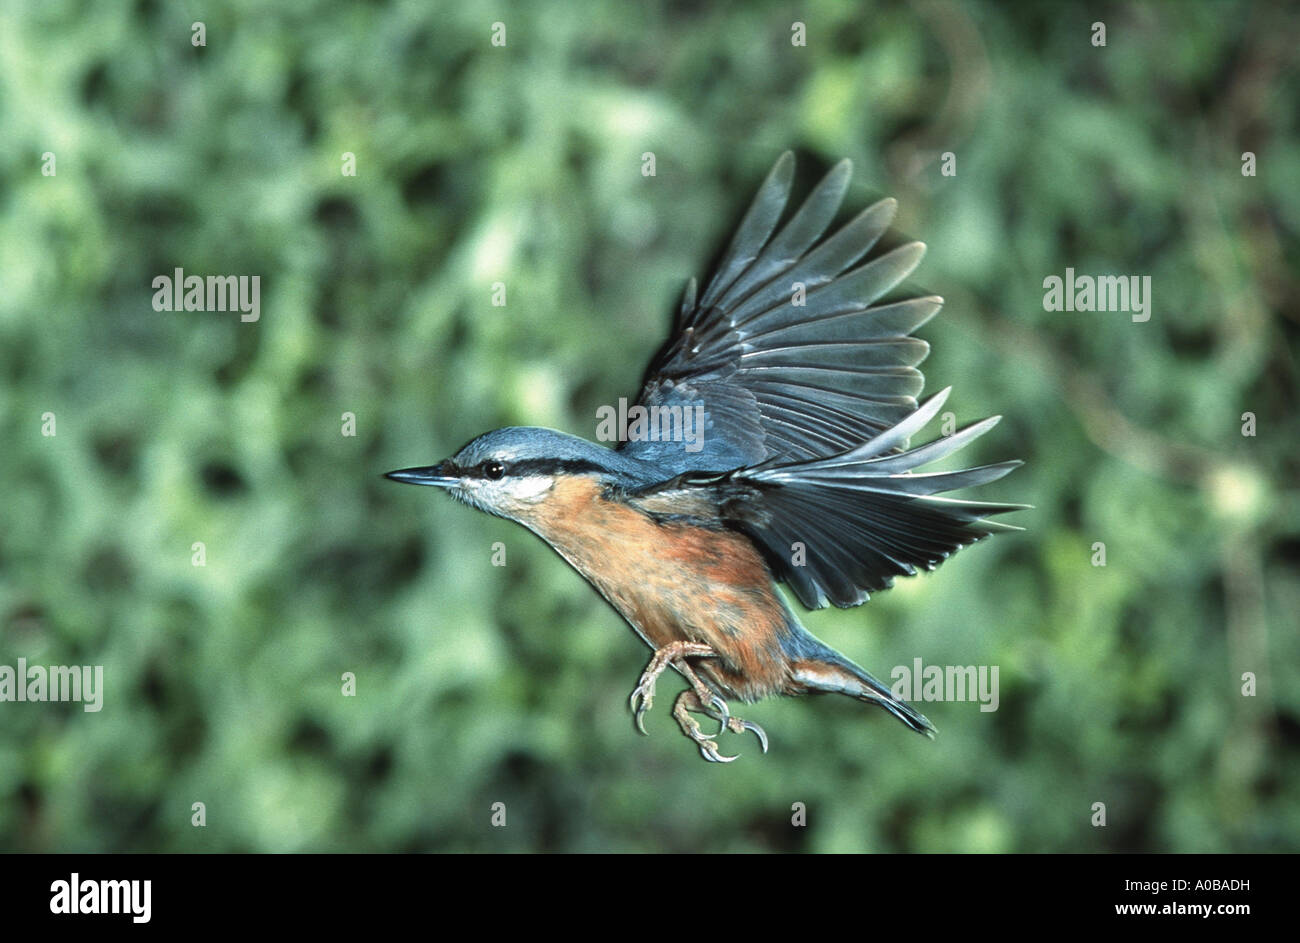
[440, 475]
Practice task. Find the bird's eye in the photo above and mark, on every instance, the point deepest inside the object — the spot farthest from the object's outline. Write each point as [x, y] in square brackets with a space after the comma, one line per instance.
[494, 471]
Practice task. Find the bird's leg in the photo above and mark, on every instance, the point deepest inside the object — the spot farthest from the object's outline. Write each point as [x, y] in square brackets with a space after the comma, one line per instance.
[687, 703]
[736, 725]
[706, 702]
[675, 654]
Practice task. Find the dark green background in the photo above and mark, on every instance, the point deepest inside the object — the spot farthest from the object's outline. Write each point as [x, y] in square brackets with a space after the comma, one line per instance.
[522, 164]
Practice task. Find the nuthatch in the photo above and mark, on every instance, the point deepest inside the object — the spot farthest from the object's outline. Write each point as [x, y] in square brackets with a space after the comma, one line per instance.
[807, 383]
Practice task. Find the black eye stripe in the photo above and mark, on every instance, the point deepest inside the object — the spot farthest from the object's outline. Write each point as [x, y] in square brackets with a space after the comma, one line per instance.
[553, 466]
[531, 466]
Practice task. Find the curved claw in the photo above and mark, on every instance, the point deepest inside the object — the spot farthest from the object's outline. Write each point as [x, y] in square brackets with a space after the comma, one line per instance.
[646, 696]
[756, 729]
[710, 752]
[724, 712]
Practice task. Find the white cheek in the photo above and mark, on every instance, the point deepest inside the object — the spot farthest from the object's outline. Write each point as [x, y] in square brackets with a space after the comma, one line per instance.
[530, 489]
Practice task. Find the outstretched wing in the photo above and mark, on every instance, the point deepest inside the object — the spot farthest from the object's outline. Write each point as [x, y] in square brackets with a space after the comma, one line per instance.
[866, 516]
[776, 378]
[837, 529]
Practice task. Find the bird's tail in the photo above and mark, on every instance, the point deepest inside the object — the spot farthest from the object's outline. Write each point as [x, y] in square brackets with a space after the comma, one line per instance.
[819, 668]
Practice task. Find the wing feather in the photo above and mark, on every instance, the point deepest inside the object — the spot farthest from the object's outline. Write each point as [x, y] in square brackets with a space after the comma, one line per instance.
[781, 380]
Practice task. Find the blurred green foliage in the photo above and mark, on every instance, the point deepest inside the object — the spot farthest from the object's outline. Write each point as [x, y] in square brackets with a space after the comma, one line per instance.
[475, 164]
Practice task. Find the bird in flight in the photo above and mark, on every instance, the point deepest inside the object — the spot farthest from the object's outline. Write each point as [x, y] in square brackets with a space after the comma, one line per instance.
[804, 376]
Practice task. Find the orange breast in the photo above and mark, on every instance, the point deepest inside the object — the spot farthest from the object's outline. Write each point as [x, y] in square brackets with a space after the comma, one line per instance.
[674, 581]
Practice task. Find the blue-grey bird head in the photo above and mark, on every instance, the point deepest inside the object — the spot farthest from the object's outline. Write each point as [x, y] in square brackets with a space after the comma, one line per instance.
[509, 471]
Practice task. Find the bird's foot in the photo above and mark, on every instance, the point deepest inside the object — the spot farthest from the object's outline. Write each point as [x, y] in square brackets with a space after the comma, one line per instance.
[736, 725]
[689, 702]
[643, 695]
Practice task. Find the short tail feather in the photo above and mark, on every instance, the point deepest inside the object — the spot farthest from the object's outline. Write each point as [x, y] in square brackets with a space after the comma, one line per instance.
[830, 672]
